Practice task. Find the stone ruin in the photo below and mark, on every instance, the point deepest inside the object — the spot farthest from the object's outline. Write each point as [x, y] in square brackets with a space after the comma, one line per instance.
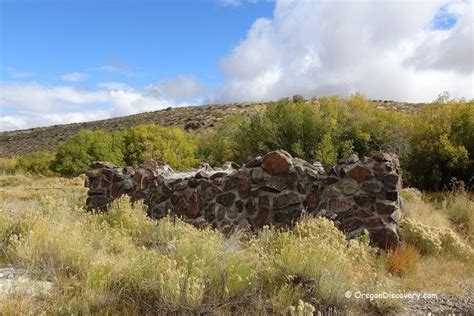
[275, 190]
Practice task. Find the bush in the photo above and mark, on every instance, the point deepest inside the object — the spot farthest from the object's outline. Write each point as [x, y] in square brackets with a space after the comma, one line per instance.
[76, 155]
[325, 129]
[441, 139]
[221, 144]
[170, 145]
[37, 163]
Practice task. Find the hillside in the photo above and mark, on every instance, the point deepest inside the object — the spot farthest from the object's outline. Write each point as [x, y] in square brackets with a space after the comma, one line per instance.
[193, 118]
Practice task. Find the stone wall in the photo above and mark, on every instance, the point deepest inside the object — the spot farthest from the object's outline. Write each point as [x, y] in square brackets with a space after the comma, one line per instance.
[275, 189]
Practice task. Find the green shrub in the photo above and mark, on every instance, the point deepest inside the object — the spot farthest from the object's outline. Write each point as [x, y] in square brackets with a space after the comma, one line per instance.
[37, 163]
[170, 145]
[441, 139]
[75, 156]
[221, 144]
[325, 129]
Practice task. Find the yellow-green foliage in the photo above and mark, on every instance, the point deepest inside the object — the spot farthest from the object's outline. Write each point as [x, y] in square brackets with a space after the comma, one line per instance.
[8, 165]
[432, 240]
[170, 145]
[221, 144]
[441, 139]
[37, 163]
[324, 129]
[75, 155]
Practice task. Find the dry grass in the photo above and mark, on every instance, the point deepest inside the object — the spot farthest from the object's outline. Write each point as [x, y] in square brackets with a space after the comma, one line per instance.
[403, 260]
[123, 262]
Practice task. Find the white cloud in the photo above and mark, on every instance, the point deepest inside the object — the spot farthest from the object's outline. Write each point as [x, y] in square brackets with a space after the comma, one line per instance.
[15, 73]
[386, 50]
[33, 104]
[185, 87]
[112, 85]
[73, 77]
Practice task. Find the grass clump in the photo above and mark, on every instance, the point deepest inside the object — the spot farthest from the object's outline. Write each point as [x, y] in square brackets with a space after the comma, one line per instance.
[403, 259]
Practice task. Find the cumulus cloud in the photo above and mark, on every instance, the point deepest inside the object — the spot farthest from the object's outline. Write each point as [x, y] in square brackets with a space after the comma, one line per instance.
[185, 87]
[387, 50]
[73, 77]
[27, 105]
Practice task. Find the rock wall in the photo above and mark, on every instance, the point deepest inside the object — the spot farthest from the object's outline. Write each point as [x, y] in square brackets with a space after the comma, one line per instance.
[275, 189]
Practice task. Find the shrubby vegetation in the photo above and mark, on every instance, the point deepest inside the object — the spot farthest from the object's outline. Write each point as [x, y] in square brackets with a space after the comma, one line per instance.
[435, 142]
[76, 155]
[171, 145]
[123, 262]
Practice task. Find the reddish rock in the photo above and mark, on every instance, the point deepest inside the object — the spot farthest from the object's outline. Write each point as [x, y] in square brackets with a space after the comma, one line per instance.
[230, 183]
[351, 224]
[384, 238]
[373, 222]
[211, 192]
[360, 173]
[276, 163]
[244, 190]
[343, 205]
[364, 200]
[194, 206]
[285, 200]
[274, 184]
[312, 200]
[385, 208]
[261, 218]
[291, 179]
[391, 180]
[220, 213]
[226, 199]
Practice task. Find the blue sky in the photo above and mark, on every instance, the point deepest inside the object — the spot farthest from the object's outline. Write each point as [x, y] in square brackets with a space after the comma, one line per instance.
[148, 40]
[70, 60]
